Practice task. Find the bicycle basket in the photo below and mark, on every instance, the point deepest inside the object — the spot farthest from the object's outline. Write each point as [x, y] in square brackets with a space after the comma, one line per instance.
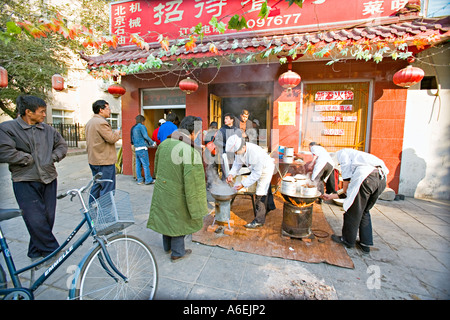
[111, 212]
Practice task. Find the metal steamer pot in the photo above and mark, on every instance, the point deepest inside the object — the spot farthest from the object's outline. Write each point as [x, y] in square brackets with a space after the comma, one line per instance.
[223, 197]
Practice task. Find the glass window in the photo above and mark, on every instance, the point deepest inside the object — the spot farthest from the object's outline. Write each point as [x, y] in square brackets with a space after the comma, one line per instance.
[114, 120]
[62, 116]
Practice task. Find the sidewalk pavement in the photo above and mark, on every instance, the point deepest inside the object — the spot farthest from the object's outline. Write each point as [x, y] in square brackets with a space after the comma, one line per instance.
[410, 259]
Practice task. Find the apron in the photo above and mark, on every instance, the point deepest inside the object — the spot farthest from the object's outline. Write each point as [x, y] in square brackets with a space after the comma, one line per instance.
[357, 165]
[322, 159]
[360, 174]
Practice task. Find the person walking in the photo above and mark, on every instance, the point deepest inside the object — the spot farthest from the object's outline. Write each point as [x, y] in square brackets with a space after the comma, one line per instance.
[179, 198]
[31, 148]
[101, 148]
[141, 140]
[364, 178]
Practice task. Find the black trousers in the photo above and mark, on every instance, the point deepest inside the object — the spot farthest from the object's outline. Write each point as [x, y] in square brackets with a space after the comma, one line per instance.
[38, 203]
[357, 217]
[327, 170]
[263, 206]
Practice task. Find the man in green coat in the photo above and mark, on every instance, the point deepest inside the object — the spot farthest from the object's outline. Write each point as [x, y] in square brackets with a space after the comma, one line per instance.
[179, 197]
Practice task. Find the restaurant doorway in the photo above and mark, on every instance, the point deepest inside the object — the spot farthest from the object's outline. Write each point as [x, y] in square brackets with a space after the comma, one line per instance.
[232, 98]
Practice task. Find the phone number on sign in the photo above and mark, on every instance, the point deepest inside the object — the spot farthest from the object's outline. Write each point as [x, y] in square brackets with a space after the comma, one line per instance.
[274, 21]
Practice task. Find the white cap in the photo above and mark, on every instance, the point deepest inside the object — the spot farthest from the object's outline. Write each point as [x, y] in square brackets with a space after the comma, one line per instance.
[161, 121]
[234, 143]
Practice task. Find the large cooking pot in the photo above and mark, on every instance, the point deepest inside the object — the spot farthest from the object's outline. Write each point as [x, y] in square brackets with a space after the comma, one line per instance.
[222, 192]
[223, 197]
[299, 198]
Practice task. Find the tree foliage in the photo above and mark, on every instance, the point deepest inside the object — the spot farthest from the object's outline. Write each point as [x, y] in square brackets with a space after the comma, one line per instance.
[31, 55]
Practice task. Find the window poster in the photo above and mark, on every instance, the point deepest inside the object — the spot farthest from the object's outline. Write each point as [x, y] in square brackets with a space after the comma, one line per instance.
[286, 113]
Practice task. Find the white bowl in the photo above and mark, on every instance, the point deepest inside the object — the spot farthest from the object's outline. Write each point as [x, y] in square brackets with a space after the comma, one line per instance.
[308, 192]
[339, 202]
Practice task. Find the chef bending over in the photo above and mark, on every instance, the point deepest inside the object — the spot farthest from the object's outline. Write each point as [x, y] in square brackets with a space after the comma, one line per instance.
[261, 167]
[364, 178]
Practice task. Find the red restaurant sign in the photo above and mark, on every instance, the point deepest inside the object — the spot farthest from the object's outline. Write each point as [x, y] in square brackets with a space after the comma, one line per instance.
[174, 18]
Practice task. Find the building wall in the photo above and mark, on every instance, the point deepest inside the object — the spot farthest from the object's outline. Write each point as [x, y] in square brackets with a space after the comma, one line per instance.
[386, 119]
[425, 171]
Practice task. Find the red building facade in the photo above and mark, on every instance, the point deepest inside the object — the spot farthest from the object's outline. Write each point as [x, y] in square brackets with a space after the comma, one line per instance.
[352, 103]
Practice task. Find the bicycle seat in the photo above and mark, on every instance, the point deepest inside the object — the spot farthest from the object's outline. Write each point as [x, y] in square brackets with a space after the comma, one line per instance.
[6, 214]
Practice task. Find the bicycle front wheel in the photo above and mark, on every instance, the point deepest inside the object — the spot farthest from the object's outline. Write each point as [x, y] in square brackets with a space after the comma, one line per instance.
[133, 258]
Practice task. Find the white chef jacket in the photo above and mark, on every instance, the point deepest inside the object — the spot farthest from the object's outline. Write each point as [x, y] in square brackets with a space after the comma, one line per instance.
[357, 165]
[323, 157]
[259, 163]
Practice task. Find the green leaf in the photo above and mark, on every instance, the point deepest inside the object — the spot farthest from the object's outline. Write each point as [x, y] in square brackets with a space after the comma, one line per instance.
[12, 28]
[297, 2]
[219, 26]
[264, 12]
[237, 24]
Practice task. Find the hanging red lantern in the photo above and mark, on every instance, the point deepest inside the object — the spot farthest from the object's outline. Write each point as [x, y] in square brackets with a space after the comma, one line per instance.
[3, 77]
[289, 80]
[188, 85]
[408, 76]
[116, 90]
[57, 82]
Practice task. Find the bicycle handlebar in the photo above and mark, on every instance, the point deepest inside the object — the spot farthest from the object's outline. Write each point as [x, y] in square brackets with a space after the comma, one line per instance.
[74, 192]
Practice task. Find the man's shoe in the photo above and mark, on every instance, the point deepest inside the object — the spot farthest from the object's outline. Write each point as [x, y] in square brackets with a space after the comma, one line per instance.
[152, 182]
[253, 225]
[339, 240]
[142, 182]
[176, 259]
[364, 248]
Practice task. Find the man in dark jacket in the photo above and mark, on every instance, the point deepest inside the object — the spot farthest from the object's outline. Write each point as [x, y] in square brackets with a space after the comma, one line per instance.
[227, 130]
[31, 148]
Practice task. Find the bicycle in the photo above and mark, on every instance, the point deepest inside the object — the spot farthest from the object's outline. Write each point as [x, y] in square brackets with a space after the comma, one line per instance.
[118, 266]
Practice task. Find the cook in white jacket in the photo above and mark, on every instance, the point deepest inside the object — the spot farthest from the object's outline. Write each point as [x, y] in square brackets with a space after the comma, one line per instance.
[261, 167]
[364, 178]
[323, 170]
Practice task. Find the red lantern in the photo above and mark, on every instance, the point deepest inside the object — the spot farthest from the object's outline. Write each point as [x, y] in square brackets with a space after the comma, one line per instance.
[289, 80]
[188, 85]
[116, 90]
[408, 76]
[3, 77]
[57, 82]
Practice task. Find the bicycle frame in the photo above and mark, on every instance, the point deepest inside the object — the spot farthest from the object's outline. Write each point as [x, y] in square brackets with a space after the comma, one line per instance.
[14, 273]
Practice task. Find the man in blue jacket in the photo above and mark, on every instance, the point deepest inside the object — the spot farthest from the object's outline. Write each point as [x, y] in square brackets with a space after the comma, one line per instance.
[141, 142]
[168, 127]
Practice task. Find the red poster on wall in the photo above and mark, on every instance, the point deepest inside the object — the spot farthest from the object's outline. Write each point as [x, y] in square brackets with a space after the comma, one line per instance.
[174, 18]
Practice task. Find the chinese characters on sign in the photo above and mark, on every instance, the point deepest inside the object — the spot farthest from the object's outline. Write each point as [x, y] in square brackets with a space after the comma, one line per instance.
[175, 18]
[333, 107]
[333, 132]
[335, 119]
[333, 95]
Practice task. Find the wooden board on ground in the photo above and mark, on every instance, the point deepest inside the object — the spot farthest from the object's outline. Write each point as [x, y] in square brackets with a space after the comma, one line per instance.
[268, 240]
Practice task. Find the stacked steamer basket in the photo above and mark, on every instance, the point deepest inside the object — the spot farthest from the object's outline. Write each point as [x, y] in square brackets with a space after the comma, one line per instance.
[288, 155]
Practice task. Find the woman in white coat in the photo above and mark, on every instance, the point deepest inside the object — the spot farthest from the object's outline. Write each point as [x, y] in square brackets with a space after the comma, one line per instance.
[364, 178]
[261, 167]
